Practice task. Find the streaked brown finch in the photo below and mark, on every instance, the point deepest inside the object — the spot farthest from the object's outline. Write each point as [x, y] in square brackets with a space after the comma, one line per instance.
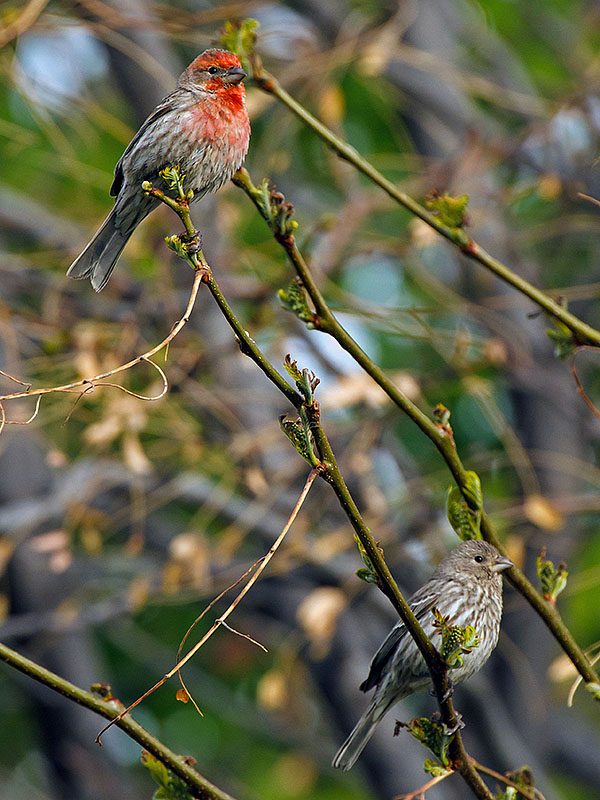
[466, 588]
[202, 127]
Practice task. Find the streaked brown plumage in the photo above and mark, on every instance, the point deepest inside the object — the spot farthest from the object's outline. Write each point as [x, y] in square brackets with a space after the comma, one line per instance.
[466, 587]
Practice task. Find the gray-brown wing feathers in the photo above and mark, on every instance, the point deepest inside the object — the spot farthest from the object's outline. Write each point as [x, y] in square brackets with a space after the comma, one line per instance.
[166, 105]
[421, 604]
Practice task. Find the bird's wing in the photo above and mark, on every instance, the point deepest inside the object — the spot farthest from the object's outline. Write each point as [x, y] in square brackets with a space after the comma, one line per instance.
[165, 105]
[421, 605]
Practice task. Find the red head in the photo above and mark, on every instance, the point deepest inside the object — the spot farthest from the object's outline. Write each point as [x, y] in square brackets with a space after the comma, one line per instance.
[214, 71]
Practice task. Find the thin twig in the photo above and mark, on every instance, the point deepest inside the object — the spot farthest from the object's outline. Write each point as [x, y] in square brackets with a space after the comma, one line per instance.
[200, 787]
[531, 793]
[580, 388]
[327, 322]
[261, 566]
[16, 380]
[584, 333]
[98, 380]
[419, 794]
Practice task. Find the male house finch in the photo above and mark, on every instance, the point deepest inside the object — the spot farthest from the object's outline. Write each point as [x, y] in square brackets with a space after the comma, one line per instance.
[467, 588]
[202, 127]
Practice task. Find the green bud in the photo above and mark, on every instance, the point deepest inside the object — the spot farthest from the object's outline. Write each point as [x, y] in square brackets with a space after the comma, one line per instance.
[240, 38]
[552, 580]
[433, 769]
[299, 436]
[450, 210]
[562, 338]
[433, 735]
[366, 575]
[456, 641]
[472, 490]
[594, 689]
[294, 299]
[464, 520]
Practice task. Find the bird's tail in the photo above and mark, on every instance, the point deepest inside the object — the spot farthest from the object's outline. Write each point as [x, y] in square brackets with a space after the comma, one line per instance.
[348, 753]
[101, 254]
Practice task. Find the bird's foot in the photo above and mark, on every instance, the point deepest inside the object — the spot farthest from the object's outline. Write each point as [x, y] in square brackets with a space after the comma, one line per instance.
[193, 241]
[457, 725]
[448, 693]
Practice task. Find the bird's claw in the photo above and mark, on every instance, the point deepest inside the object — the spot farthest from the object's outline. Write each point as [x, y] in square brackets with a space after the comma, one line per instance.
[448, 693]
[458, 724]
[193, 242]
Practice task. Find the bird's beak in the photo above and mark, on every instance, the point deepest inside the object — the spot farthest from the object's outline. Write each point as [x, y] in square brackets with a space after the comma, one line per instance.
[501, 563]
[235, 75]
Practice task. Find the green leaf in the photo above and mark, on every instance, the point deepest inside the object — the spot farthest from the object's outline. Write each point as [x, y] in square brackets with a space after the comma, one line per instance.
[456, 641]
[366, 575]
[299, 435]
[240, 38]
[552, 580]
[294, 299]
[562, 338]
[434, 769]
[593, 689]
[170, 786]
[465, 521]
[434, 735]
[471, 490]
[306, 380]
[158, 771]
[450, 210]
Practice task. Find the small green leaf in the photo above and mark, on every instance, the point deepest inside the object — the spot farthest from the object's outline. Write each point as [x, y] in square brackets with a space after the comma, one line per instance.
[471, 490]
[158, 771]
[240, 38]
[366, 575]
[292, 368]
[593, 689]
[456, 641]
[434, 769]
[170, 786]
[294, 299]
[562, 338]
[470, 640]
[465, 521]
[552, 580]
[306, 380]
[434, 735]
[299, 436]
[450, 210]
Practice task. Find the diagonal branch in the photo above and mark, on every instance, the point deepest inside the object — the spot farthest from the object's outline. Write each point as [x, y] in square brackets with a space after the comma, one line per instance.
[326, 321]
[581, 331]
[200, 786]
[188, 250]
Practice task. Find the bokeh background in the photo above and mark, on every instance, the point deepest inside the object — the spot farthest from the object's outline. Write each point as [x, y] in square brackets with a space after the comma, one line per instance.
[120, 525]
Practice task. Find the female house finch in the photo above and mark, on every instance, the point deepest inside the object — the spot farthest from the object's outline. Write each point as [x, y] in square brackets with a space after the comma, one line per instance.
[202, 127]
[467, 588]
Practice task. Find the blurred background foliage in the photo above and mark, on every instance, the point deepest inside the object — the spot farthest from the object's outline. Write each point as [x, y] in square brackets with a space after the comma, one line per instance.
[120, 525]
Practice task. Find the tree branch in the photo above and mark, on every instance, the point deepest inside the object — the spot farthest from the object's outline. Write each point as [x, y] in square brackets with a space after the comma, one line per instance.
[200, 786]
[269, 206]
[583, 333]
[188, 249]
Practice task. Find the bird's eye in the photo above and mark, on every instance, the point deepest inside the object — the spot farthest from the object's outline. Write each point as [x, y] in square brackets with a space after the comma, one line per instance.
[479, 559]
[212, 70]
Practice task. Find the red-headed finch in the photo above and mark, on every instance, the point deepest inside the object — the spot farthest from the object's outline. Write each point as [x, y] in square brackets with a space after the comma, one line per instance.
[466, 587]
[202, 127]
